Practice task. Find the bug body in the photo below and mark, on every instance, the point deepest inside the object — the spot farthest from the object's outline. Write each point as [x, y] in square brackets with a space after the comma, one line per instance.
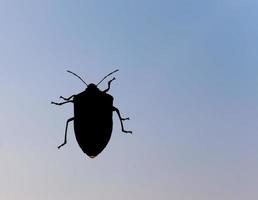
[93, 121]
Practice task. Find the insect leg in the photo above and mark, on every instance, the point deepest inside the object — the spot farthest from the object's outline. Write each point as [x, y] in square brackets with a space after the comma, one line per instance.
[66, 99]
[121, 120]
[109, 82]
[69, 120]
[59, 104]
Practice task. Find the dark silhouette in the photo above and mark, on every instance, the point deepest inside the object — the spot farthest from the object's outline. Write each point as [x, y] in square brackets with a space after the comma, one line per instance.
[93, 123]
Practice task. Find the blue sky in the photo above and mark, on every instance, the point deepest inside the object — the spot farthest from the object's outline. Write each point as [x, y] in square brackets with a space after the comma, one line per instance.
[188, 80]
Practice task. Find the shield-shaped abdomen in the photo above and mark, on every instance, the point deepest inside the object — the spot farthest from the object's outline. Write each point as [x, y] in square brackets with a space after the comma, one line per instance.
[93, 121]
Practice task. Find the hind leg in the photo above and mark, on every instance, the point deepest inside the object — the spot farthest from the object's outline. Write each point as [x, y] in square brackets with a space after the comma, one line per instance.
[121, 120]
[65, 138]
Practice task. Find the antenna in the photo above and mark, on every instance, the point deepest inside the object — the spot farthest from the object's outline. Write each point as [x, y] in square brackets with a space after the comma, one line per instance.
[107, 76]
[77, 76]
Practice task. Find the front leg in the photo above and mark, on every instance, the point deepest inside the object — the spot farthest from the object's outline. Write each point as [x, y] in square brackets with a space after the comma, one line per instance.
[66, 99]
[109, 82]
[59, 104]
[121, 120]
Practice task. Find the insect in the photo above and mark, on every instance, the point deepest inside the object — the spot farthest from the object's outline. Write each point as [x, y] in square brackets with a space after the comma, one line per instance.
[93, 123]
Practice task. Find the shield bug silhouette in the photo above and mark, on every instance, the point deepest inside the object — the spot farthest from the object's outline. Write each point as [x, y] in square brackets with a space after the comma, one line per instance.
[93, 121]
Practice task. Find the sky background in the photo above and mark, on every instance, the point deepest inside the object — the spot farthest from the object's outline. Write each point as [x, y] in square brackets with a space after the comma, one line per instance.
[188, 80]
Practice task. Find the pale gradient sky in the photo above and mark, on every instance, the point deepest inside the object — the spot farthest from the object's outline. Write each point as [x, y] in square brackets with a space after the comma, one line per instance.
[188, 80]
